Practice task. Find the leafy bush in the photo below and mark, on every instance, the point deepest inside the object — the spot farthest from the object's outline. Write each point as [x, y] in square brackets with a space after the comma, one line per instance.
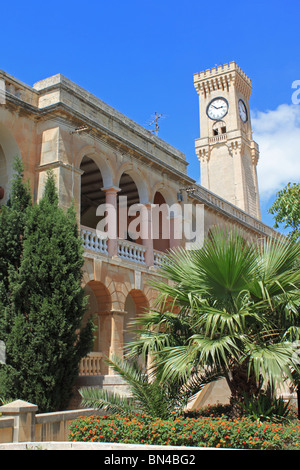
[263, 408]
[222, 432]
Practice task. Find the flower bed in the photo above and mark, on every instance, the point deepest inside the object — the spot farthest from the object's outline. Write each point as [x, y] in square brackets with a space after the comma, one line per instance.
[204, 431]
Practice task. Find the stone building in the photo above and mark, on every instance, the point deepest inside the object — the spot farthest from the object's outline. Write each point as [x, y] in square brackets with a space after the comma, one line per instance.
[99, 155]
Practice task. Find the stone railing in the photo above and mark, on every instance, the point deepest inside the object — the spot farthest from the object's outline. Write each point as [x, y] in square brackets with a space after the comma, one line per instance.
[126, 250]
[92, 242]
[131, 251]
[91, 364]
[158, 257]
[205, 196]
[19, 422]
[217, 138]
[15, 89]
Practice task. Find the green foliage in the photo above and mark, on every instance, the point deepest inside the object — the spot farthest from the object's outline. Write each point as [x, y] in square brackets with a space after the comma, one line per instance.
[149, 395]
[12, 222]
[244, 433]
[238, 306]
[46, 307]
[286, 209]
[264, 408]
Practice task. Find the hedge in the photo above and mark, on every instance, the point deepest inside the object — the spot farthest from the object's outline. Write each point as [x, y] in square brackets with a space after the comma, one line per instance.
[222, 432]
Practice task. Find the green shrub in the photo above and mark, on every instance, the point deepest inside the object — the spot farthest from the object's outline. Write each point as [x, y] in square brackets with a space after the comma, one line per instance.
[222, 432]
[264, 408]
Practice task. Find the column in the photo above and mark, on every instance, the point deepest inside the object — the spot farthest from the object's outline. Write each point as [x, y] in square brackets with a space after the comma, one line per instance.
[111, 219]
[176, 231]
[117, 343]
[146, 233]
[24, 419]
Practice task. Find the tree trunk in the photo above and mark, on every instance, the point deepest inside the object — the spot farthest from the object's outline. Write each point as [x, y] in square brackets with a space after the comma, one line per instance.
[241, 384]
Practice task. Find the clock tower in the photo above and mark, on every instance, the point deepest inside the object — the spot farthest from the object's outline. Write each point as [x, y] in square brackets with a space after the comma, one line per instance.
[228, 156]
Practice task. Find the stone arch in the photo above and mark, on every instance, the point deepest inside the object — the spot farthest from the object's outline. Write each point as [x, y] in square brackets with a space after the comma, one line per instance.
[138, 178]
[161, 222]
[166, 219]
[102, 163]
[91, 191]
[9, 150]
[219, 127]
[99, 304]
[169, 194]
[136, 304]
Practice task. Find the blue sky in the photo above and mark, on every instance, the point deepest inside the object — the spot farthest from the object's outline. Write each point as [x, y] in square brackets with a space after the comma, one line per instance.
[140, 57]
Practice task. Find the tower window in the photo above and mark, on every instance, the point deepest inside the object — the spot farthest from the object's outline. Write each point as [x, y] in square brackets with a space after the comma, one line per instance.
[219, 127]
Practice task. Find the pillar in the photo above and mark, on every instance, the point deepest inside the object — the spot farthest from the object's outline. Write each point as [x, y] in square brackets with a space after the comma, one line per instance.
[117, 328]
[146, 233]
[111, 218]
[24, 419]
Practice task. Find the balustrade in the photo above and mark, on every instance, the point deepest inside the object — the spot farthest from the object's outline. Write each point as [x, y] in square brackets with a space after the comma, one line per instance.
[131, 251]
[158, 258]
[92, 242]
[91, 364]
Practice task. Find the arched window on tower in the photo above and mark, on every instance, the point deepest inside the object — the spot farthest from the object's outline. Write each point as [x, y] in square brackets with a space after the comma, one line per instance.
[219, 128]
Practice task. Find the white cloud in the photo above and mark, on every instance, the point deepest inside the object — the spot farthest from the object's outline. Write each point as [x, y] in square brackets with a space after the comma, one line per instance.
[277, 133]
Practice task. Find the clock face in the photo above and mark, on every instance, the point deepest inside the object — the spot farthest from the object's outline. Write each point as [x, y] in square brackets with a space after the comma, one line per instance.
[243, 111]
[217, 109]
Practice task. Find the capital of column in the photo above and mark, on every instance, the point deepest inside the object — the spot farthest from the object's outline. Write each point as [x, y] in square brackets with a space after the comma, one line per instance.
[113, 189]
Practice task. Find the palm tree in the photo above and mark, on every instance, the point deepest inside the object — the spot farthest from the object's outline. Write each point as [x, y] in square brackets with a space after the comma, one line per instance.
[237, 309]
[147, 394]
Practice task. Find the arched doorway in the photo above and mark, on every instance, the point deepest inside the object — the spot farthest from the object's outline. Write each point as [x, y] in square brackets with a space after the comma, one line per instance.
[128, 190]
[91, 192]
[161, 223]
[99, 303]
[135, 305]
[98, 308]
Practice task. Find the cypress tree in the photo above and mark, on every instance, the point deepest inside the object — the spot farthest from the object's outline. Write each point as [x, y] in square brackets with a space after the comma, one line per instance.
[12, 225]
[47, 341]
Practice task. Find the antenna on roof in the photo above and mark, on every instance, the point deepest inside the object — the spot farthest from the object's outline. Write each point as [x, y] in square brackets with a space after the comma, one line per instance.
[155, 121]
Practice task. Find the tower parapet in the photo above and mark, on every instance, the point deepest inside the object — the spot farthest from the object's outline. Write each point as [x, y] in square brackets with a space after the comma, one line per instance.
[221, 78]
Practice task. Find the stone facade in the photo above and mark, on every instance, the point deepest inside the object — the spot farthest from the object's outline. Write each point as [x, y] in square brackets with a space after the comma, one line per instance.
[98, 154]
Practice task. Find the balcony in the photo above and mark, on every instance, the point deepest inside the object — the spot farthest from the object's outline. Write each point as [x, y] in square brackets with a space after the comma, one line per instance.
[131, 251]
[216, 139]
[92, 242]
[126, 250]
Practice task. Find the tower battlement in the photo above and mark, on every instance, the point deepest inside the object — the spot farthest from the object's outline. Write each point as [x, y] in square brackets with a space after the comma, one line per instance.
[221, 77]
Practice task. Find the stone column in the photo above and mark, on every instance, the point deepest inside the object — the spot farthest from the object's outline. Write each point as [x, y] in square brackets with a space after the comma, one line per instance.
[112, 218]
[176, 231]
[146, 233]
[117, 342]
[24, 419]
